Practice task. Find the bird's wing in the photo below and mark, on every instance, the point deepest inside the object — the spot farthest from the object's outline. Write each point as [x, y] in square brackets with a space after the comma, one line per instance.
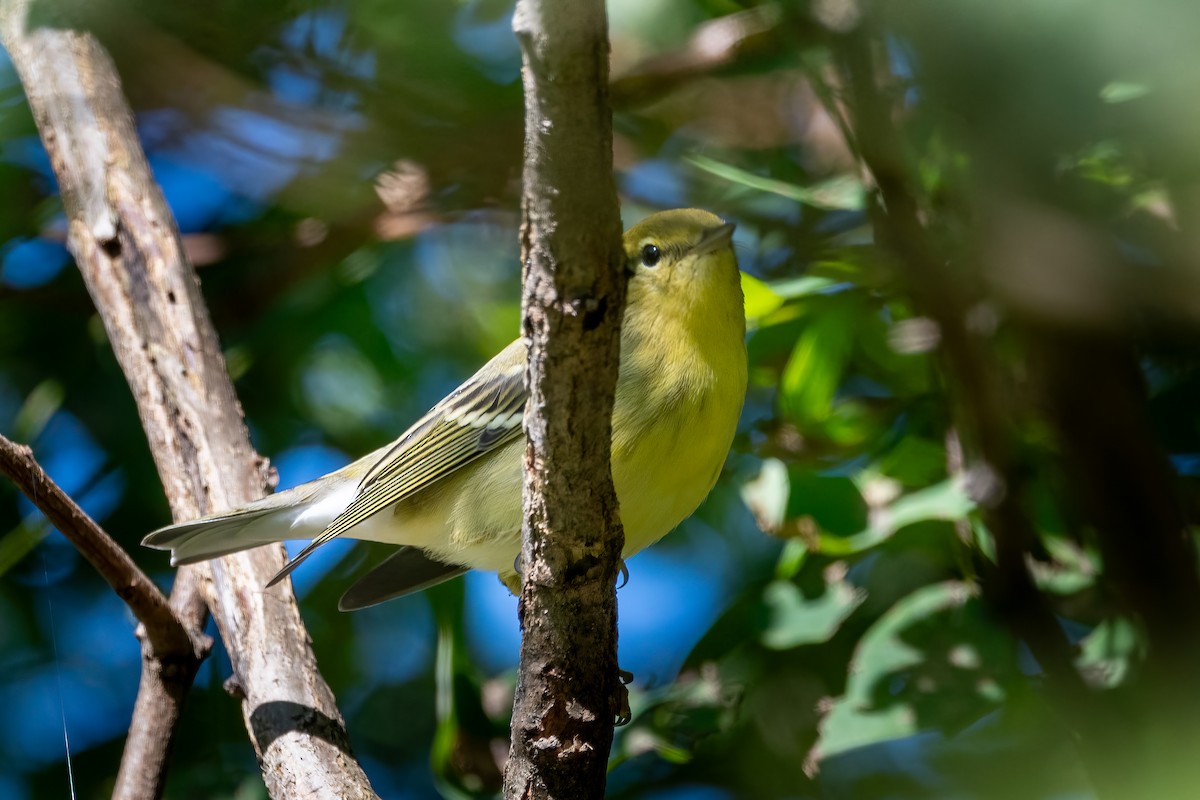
[406, 571]
[477, 417]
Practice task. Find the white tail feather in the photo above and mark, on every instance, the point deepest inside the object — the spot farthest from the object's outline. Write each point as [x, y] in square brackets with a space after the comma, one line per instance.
[267, 521]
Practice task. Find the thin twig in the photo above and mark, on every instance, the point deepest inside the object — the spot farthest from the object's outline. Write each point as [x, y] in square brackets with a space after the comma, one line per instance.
[172, 643]
[166, 632]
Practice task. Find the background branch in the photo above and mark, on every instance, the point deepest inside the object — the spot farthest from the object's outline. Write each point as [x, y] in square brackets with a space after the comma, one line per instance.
[127, 247]
[716, 44]
[1120, 478]
[567, 686]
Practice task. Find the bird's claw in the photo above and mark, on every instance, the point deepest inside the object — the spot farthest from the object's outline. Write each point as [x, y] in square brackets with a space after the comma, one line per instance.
[624, 712]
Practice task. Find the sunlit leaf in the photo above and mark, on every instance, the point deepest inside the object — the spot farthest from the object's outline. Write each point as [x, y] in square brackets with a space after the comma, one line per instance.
[853, 721]
[811, 377]
[761, 299]
[1071, 569]
[767, 495]
[947, 500]
[1107, 653]
[796, 620]
[1123, 91]
[791, 558]
[803, 286]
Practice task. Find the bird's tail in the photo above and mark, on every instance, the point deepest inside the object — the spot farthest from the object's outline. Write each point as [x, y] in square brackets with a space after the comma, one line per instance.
[299, 513]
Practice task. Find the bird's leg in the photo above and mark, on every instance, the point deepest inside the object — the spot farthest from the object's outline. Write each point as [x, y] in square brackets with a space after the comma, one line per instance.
[512, 580]
[624, 676]
[624, 712]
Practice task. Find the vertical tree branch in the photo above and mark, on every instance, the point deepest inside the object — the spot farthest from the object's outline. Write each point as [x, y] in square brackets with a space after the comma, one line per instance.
[127, 247]
[567, 688]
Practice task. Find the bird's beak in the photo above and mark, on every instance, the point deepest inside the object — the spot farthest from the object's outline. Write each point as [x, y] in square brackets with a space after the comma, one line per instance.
[714, 239]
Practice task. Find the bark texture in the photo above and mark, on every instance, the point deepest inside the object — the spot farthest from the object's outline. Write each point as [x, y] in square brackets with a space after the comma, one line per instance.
[568, 689]
[128, 249]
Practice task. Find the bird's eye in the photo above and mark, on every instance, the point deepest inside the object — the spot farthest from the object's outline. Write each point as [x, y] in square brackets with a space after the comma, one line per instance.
[650, 255]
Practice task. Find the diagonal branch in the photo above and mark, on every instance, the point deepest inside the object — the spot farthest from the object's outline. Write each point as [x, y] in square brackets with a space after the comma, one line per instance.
[715, 45]
[172, 643]
[167, 634]
[128, 250]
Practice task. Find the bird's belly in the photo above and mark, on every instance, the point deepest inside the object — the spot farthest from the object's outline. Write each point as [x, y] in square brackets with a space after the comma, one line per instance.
[473, 517]
[663, 476]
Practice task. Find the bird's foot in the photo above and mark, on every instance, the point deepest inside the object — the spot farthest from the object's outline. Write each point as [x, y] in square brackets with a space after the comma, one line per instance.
[624, 713]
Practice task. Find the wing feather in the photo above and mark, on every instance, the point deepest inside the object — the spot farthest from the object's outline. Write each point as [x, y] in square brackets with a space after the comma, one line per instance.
[481, 415]
[405, 571]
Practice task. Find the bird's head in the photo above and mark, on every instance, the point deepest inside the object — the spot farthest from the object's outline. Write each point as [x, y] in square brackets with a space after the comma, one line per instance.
[682, 261]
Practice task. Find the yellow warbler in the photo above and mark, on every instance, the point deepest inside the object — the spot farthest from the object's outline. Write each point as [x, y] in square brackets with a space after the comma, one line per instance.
[449, 489]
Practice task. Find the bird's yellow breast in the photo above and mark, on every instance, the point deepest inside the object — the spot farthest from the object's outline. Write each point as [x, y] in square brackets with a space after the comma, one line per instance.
[674, 420]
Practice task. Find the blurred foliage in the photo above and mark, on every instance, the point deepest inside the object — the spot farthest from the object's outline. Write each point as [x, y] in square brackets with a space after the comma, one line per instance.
[834, 621]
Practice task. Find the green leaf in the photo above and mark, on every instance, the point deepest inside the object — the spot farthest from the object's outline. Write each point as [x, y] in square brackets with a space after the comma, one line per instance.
[1123, 91]
[914, 461]
[766, 495]
[814, 371]
[841, 193]
[791, 559]
[804, 286]
[947, 501]
[19, 542]
[833, 501]
[853, 720]
[1107, 653]
[851, 424]
[1071, 569]
[761, 300]
[904, 374]
[795, 620]
[40, 405]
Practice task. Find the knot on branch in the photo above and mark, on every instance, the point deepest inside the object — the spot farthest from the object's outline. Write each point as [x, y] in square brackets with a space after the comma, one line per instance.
[594, 312]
